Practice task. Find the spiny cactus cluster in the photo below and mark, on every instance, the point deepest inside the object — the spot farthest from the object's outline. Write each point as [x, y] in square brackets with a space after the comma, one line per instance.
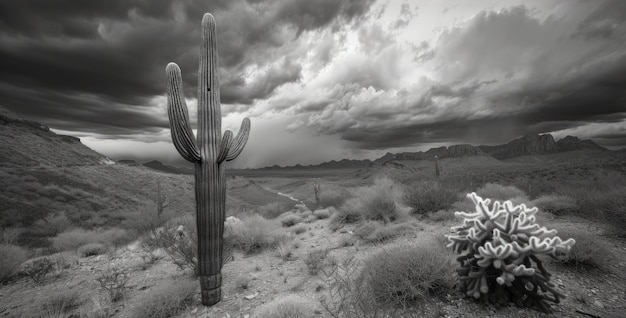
[499, 245]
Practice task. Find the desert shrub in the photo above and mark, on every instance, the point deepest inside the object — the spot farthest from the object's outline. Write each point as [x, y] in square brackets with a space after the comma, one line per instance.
[299, 229]
[315, 260]
[378, 201]
[331, 199]
[442, 216]
[322, 214]
[587, 253]
[180, 243]
[499, 245]
[290, 306]
[391, 231]
[167, 299]
[60, 302]
[405, 274]
[290, 219]
[37, 269]
[92, 249]
[348, 296]
[52, 224]
[285, 250]
[147, 219]
[113, 282]
[75, 238]
[430, 196]
[10, 235]
[272, 210]
[500, 192]
[556, 204]
[343, 216]
[11, 257]
[255, 233]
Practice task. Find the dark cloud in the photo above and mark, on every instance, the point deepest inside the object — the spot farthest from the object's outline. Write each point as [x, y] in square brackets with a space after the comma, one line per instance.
[108, 57]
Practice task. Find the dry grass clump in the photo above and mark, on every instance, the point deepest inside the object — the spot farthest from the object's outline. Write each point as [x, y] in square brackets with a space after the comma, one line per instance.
[77, 237]
[588, 252]
[11, 257]
[299, 229]
[61, 302]
[499, 192]
[323, 213]
[167, 299]
[255, 233]
[331, 199]
[556, 204]
[430, 196]
[407, 274]
[92, 249]
[289, 219]
[290, 306]
[315, 260]
[376, 232]
[379, 201]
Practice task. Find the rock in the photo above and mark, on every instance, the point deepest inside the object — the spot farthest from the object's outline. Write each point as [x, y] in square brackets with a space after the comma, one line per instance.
[250, 297]
[598, 304]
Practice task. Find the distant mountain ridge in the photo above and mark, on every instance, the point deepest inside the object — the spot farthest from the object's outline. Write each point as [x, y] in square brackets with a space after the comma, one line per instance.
[526, 145]
[538, 145]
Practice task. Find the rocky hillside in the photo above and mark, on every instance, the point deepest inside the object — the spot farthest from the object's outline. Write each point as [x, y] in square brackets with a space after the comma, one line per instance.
[28, 143]
[538, 145]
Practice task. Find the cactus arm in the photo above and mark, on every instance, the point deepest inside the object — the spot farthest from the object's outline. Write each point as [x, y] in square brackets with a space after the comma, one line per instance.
[240, 140]
[227, 141]
[182, 135]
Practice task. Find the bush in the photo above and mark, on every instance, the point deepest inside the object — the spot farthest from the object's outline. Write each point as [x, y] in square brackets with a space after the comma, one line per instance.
[37, 269]
[587, 253]
[430, 196]
[406, 274]
[92, 249]
[377, 202]
[331, 199]
[179, 240]
[113, 282]
[61, 302]
[499, 192]
[343, 216]
[75, 238]
[272, 210]
[556, 204]
[254, 234]
[290, 306]
[322, 214]
[299, 229]
[289, 219]
[11, 257]
[52, 224]
[375, 232]
[166, 299]
[315, 260]
[499, 245]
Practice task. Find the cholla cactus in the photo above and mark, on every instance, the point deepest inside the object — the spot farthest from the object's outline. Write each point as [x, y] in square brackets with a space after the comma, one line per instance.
[501, 243]
[209, 153]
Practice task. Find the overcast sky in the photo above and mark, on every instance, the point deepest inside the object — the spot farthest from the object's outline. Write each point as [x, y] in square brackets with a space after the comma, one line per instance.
[321, 80]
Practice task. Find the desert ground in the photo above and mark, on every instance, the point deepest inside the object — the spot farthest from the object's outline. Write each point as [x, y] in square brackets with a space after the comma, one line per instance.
[294, 255]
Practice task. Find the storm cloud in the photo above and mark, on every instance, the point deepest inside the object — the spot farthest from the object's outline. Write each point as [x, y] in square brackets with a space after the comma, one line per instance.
[359, 77]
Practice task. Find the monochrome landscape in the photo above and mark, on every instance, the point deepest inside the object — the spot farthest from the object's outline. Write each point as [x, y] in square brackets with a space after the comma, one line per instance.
[404, 159]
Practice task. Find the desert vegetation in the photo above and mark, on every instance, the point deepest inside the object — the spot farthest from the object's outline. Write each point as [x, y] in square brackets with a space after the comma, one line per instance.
[372, 247]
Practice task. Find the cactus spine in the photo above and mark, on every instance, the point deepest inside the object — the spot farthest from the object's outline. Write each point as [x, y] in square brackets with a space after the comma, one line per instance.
[208, 154]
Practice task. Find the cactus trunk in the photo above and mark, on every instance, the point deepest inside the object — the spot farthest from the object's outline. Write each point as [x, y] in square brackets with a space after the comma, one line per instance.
[208, 154]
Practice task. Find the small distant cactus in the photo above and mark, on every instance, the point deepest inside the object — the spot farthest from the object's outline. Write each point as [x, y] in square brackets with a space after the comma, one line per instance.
[317, 190]
[437, 166]
[209, 153]
[501, 243]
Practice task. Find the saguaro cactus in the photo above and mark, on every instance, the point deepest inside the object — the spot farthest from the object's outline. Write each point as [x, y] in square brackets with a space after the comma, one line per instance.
[208, 153]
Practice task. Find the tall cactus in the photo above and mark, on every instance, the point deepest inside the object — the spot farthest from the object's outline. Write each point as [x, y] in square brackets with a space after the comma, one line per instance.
[208, 154]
